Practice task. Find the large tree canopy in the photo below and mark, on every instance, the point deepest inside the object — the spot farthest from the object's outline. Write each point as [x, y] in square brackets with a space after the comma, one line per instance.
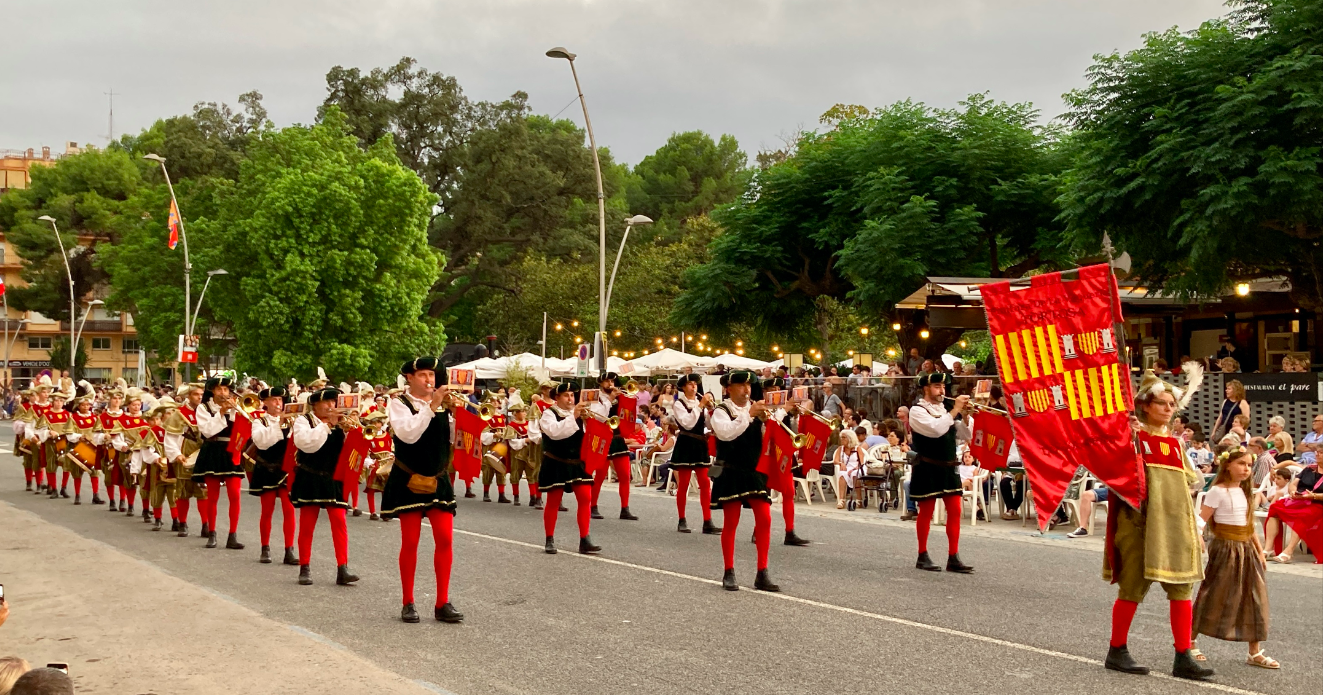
[863, 212]
[689, 176]
[327, 248]
[1200, 153]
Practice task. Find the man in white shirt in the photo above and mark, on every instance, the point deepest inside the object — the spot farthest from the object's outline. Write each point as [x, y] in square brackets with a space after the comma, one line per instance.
[270, 481]
[320, 439]
[934, 473]
[738, 425]
[561, 426]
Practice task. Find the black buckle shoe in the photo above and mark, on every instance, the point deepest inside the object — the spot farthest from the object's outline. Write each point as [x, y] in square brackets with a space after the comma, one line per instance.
[96, 499]
[265, 557]
[374, 517]
[486, 496]
[627, 515]
[710, 528]
[174, 526]
[205, 530]
[113, 509]
[516, 500]
[792, 539]
[925, 563]
[232, 542]
[592, 512]
[728, 581]
[358, 512]
[122, 504]
[500, 499]
[305, 575]
[1119, 659]
[211, 540]
[682, 527]
[130, 512]
[448, 614]
[29, 487]
[586, 546]
[1186, 667]
[468, 495]
[763, 582]
[158, 525]
[290, 559]
[78, 498]
[535, 503]
[64, 493]
[953, 564]
[343, 576]
[550, 548]
[409, 614]
[146, 514]
[183, 530]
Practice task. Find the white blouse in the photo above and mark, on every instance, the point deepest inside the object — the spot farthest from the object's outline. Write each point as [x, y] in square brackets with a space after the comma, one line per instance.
[1229, 505]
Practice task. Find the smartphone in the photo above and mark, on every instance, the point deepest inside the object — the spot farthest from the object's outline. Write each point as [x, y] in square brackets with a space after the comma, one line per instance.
[59, 667]
[2, 592]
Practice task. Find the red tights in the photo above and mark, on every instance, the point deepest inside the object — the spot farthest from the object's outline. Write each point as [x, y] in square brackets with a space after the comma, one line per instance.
[443, 529]
[762, 530]
[552, 509]
[704, 491]
[78, 485]
[926, 509]
[621, 464]
[1181, 615]
[181, 509]
[209, 506]
[351, 492]
[64, 480]
[372, 500]
[339, 533]
[286, 515]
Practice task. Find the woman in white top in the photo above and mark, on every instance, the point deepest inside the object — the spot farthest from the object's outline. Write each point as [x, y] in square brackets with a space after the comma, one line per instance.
[849, 460]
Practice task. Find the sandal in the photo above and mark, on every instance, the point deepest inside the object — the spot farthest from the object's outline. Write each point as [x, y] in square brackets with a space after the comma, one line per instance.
[1262, 661]
[840, 504]
[1196, 654]
[1282, 559]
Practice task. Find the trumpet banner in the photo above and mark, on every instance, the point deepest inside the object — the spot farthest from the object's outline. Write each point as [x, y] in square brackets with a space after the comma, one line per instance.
[991, 445]
[596, 442]
[1068, 393]
[627, 407]
[352, 455]
[240, 434]
[777, 458]
[467, 459]
[818, 434]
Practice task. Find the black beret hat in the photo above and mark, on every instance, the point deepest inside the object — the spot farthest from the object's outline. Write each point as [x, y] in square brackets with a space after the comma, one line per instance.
[739, 376]
[215, 381]
[323, 395]
[274, 392]
[608, 376]
[414, 365]
[565, 387]
[685, 378]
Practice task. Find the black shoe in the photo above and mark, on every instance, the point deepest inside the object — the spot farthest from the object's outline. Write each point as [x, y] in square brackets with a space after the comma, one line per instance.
[926, 563]
[78, 499]
[728, 581]
[409, 614]
[358, 512]
[764, 583]
[146, 515]
[626, 515]
[29, 487]
[710, 528]
[174, 526]
[64, 493]
[158, 525]
[122, 504]
[289, 557]
[113, 509]
[563, 508]
[130, 512]
[211, 540]
[516, 500]
[486, 496]
[586, 546]
[232, 542]
[593, 513]
[205, 531]
[305, 575]
[183, 530]
[344, 577]
[468, 495]
[535, 503]
[374, 517]
[1119, 659]
[953, 564]
[682, 527]
[265, 558]
[792, 539]
[1186, 667]
[448, 614]
[500, 499]
[96, 499]
[550, 548]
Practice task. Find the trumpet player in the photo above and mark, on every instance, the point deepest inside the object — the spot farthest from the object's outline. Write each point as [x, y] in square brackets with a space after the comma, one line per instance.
[270, 482]
[934, 473]
[525, 454]
[132, 418]
[319, 437]
[608, 406]
[182, 439]
[738, 425]
[562, 468]
[381, 447]
[417, 486]
[689, 458]
[215, 463]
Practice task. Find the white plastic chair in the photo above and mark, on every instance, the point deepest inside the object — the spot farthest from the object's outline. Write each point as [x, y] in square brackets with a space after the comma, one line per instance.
[1074, 506]
[659, 459]
[974, 497]
[806, 485]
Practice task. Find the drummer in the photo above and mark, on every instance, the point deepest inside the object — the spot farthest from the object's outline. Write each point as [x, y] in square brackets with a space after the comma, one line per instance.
[86, 426]
[495, 452]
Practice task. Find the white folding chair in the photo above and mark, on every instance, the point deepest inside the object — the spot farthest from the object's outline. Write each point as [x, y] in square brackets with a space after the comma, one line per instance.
[659, 459]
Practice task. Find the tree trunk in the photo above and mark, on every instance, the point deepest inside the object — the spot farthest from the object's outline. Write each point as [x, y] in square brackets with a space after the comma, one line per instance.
[992, 255]
[822, 319]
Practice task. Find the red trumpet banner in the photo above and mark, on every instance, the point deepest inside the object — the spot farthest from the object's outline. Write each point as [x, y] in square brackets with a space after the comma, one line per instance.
[240, 435]
[352, 455]
[467, 459]
[596, 442]
[777, 458]
[1069, 396]
[818, 433]
[991, 444]
[628, 408]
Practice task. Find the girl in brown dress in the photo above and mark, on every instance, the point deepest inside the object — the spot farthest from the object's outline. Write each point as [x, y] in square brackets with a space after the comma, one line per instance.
[1232, 603]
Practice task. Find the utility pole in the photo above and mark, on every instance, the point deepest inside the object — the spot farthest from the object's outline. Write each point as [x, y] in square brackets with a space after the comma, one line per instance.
[110, 127]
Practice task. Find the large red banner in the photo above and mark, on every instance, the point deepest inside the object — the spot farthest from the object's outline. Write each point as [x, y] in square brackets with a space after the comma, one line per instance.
[628, 409]
[240, 434]
[1062, 370]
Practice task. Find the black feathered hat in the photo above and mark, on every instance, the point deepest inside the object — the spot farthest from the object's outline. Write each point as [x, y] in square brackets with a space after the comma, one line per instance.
[274, 392]
[323, 395]
[608, 376]
[565, 387]
[432, 363]
[215, 381]
[935, 378]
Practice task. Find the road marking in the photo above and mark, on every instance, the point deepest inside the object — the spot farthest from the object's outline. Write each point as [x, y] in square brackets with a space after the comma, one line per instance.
[866, 614]
[433, 687]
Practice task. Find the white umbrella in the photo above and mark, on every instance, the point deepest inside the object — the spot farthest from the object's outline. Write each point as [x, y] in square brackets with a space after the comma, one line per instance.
[667, 359]
[733, 361]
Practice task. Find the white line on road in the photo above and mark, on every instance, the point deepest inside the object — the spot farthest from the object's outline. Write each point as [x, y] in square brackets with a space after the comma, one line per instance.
[866, 614]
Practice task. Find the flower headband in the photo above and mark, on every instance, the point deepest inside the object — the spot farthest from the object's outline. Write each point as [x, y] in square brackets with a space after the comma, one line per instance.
[1233, 452]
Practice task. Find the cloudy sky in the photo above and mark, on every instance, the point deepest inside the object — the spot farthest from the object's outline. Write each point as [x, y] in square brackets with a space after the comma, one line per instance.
[758, 69]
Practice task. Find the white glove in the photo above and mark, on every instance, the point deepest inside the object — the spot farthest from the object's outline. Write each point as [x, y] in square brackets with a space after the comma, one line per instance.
[488, 437]
[73, 438]
[517, 444]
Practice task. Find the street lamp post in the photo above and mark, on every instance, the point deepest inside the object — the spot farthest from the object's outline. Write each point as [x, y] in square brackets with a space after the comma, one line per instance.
[629, 224]
[598, 341]
[87, 312]
[210, 274]
[73, 312]
[188, 267]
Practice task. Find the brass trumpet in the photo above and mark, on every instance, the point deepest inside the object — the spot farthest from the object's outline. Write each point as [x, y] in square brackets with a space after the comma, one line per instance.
[980, 406]
[799, 440]
[453, 400]
[249, 403]
[613, 422]
[486, 411]
[631, 388]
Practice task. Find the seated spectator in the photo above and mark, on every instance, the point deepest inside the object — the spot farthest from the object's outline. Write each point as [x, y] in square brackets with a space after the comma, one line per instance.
[1279, 488]
[1201, 457]
[665, 441]
[1179, 427]
[43, 681]
[1278, 436]
[848, 460]
[1264, 461]
[11, 667]
[1312, 443]
[879, 436]
[1087, 499]
[967, 468]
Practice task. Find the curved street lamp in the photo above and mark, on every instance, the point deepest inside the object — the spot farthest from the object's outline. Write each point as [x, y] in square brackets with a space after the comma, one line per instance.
[73, 311]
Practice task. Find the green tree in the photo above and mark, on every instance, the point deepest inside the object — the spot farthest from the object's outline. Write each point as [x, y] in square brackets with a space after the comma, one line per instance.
[327, 249]
[687, 177]
[59, 356]
[1201, 153]
[863, 212]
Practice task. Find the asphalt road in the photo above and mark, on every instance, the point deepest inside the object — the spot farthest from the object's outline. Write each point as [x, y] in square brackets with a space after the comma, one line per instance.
[649, 616]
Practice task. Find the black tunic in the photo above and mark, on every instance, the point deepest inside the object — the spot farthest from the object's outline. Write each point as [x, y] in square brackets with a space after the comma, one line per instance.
[427, 456]
[314, 485]
[934, 472]
[740, 480]
[562, 465]
[214, 458]
[268, 473]
[690, 444]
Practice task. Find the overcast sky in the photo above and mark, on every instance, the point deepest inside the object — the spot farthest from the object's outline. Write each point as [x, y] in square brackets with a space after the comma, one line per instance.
[758, 69]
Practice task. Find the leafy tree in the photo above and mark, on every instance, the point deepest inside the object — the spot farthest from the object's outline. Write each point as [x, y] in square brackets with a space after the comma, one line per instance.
[863, 212]
[59, 356]
[1201, 153]
[327, 249]
[687, 177]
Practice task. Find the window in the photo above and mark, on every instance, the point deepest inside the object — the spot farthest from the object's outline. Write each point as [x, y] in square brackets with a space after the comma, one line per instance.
[130, 346]
[100, 343]
[39, 342]
[97, 375]
[130, 375]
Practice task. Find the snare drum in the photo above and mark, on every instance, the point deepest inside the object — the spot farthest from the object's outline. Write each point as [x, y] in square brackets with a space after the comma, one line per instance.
[84, 454]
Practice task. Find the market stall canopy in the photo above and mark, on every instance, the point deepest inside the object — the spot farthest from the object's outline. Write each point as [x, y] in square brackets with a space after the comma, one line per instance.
[667, 359]
[733, 361]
